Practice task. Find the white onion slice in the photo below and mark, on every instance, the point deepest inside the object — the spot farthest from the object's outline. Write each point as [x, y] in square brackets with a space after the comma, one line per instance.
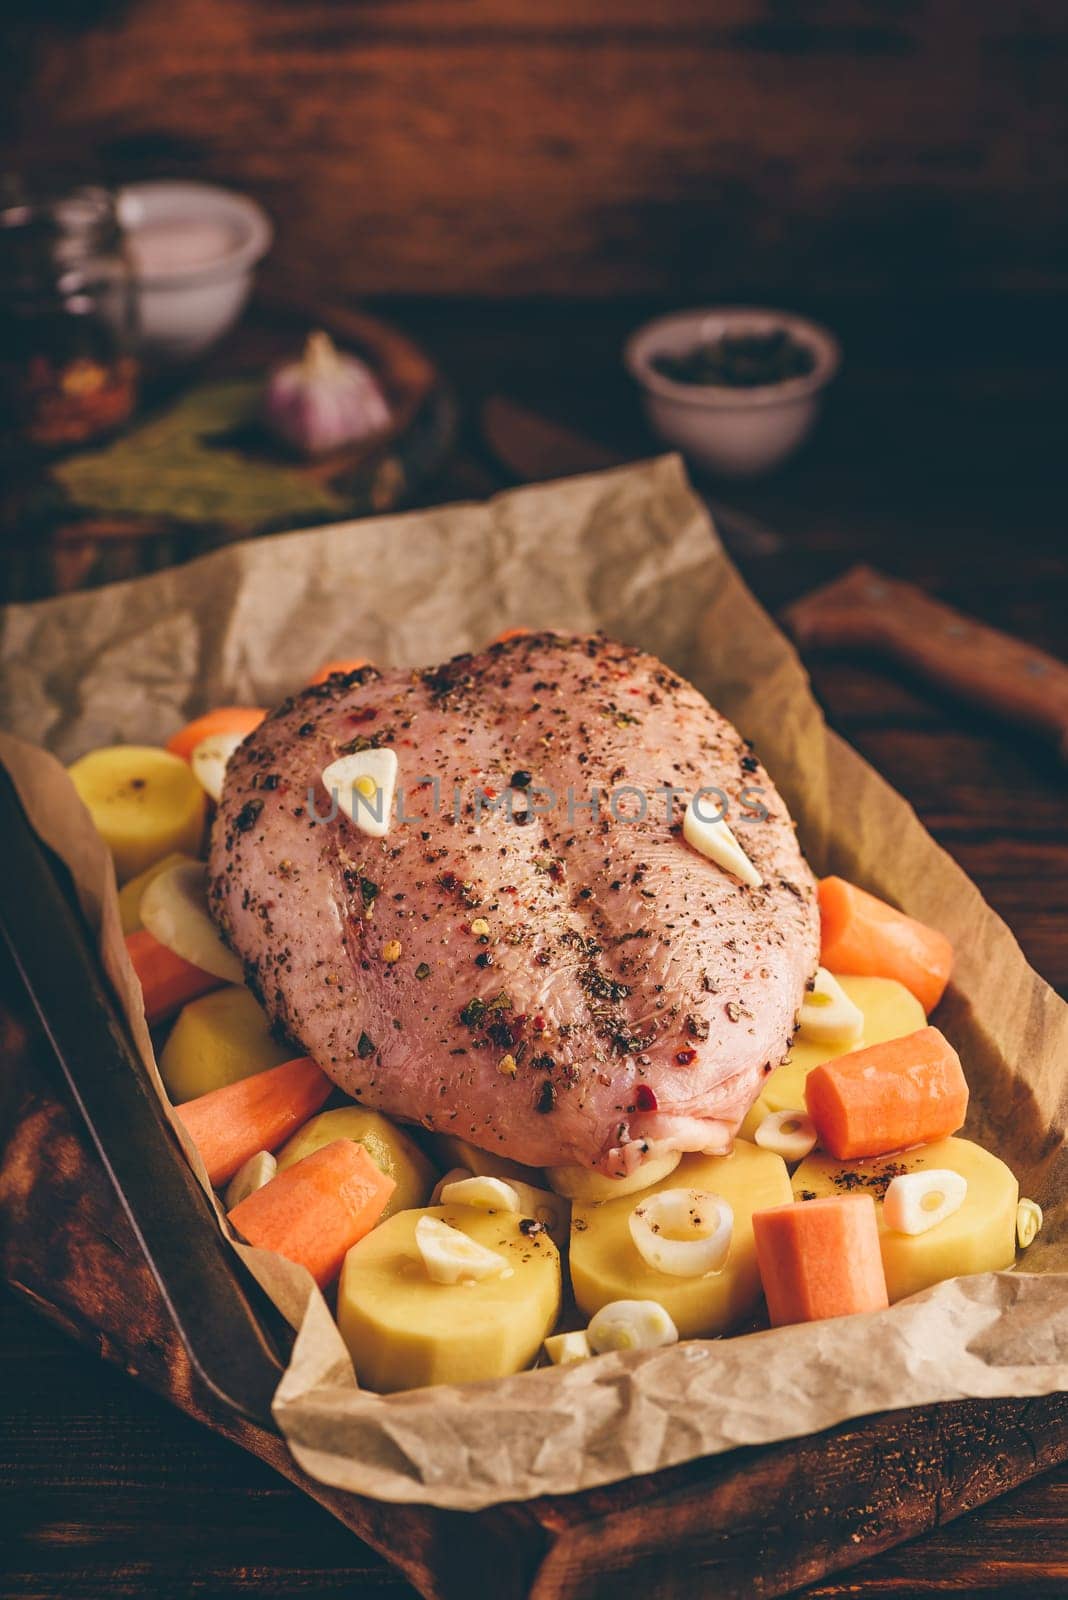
[683, 1232]
[451, 1257]
[365, 784]
[918, 1201]
[791, 1134]
[716, 841]
[210, 758]
[828, 1016]
[631, 1325]
[487, 1194]
[564, 1348]
[174, 909]
[257, 1170]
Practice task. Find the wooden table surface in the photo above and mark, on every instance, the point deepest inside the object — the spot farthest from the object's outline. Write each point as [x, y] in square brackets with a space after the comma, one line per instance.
[938, 460]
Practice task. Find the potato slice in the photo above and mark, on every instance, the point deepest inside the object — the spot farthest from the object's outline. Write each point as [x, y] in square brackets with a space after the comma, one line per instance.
[130, 893]
[606, 1265]
[579, 1183]
[391, 1149]
[980, 1237]
[403, 1330]
[454, 1152]
[219, 1039]
[145, 803]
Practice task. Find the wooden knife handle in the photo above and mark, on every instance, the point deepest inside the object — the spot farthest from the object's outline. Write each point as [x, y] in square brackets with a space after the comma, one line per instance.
[865, 610]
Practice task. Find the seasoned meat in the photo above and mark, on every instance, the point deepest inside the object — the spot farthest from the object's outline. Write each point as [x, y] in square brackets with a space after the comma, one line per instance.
[557, 978]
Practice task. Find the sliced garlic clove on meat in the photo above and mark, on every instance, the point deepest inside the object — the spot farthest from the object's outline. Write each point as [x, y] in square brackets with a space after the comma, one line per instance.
[828, 1016]
[917, 1201]
[683, 1232]
[449, 1256]
[631, 1325]
[210, 759]
[174, 909]
[365, 784]
[257, 1170]
[1029, 1221]
[487, 1194]
[716, 841]
[791, 1134]
[564, 1348]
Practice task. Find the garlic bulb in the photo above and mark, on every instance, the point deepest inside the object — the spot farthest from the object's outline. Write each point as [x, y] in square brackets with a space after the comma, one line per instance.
[324, 401]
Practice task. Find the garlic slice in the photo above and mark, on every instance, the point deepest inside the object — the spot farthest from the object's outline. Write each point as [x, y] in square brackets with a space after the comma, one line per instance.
[683, 1232]
[210, 758]
[564, 1348]
[631, 1325]
[487, 1194]
[716, 841]
[454, 1175]
[918, 1201]
[828, 1016]
[257, 1170]
[174, 909]
[1029, 1221]
[365, 784]
[791, 1134]
[451, 1257]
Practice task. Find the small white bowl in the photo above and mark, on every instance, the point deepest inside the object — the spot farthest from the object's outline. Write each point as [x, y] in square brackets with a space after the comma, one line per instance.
[194, 248]
[735, 433]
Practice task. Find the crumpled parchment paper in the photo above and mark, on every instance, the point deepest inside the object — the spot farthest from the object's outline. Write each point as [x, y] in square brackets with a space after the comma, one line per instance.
[630, 551]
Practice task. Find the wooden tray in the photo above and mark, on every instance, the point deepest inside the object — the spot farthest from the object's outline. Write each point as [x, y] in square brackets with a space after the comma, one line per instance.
[47, 548]
[752, 1523]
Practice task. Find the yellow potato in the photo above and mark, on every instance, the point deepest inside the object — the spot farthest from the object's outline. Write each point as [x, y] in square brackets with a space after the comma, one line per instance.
[219, 1039]
[980, 1237]
[606, 1266]
[404, 1331]
[579, 1183]
[890, 1012]
[130, 893]
[145, 803]
[391, 1149]
[455, 1152]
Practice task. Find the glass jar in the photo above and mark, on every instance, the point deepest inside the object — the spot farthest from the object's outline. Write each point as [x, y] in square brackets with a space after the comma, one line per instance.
[67, 320]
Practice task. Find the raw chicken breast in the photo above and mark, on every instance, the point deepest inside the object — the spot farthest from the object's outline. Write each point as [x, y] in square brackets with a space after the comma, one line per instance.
[551, 984]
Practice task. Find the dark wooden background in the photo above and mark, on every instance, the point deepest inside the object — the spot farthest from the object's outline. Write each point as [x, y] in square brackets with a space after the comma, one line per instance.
[742, 148]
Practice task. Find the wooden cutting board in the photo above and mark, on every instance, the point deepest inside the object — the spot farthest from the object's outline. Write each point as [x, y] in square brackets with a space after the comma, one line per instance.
[744, 1526]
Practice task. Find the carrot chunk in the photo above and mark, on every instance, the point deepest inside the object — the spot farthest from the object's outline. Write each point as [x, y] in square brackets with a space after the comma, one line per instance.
[167, 981]
[224, 719]
[231, 1124]
[510, 633]
[863, 937]
[820, 1258]
[328, 669]
[315, 1211]
[888, 1096]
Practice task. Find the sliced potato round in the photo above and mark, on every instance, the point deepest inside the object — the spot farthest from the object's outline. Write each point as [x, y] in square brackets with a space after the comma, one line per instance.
[174, 909]
[979, 1237]
[218, 1039]
[130, 893]
[578, 1183]
[391, 1149]
[455, 1152]
[403, 1330]
[606, 1265]
[144, 803]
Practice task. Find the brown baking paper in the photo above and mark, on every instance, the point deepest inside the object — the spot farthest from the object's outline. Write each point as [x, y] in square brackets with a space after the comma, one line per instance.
[631, 552]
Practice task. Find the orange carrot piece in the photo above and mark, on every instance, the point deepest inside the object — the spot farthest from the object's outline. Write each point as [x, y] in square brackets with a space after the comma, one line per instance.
[863, 937]
[231, 1124]
[328, 669]
[224, 719]
[820, 1258]
[511, 633]
[316, 1210]
[888, 1096]
[167, 981]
